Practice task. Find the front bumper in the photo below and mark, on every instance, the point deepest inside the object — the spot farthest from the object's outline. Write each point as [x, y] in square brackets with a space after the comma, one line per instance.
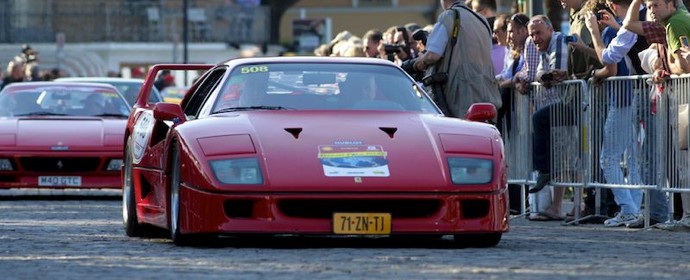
[312, 213]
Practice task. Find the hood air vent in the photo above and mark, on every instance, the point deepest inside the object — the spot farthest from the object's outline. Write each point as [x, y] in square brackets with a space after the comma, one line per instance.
[294, 131]
[389, 130]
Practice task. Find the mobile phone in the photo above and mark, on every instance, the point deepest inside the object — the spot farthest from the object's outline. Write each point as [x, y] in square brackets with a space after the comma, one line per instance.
[684, 41]
[570, 38]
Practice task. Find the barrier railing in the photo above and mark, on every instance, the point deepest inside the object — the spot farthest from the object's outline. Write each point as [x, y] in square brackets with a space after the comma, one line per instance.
[614, 134]
[675, 164]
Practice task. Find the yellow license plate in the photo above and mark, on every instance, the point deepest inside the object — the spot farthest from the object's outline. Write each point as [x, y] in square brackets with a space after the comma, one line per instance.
[362, 223]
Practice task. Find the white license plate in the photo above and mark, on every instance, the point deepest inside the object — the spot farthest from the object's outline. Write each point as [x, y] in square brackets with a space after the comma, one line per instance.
[71, 181]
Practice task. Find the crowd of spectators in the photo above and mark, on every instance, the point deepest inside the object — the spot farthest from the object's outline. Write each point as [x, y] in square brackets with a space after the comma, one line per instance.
[606, 38]
[24, 67]
[457, 68]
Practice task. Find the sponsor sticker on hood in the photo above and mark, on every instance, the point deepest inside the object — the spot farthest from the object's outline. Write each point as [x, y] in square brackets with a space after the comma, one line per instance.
[354, 160]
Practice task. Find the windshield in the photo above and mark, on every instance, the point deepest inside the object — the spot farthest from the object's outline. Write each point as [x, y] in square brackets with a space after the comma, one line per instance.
[130, 90]
[63, 102]
[321, 86]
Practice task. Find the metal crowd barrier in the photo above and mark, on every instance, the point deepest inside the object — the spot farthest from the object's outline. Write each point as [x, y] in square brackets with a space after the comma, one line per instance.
[644, 152]
[676, 160]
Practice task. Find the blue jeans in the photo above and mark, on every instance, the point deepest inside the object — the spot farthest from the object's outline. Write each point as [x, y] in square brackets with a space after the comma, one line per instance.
[541, 123]
[619, 137]
[658, 207]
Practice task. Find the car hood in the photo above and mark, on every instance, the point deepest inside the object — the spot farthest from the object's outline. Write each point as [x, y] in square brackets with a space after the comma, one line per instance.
[62, 134]
[339, 150]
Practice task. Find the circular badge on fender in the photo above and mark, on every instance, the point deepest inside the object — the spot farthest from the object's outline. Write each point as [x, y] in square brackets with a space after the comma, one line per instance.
[141, 135]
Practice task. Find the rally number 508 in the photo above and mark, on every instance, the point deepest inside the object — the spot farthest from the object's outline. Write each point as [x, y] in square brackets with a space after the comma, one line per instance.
[253, 69]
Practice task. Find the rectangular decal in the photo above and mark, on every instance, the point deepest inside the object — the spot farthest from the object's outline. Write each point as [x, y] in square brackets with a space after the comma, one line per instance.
[354, 160]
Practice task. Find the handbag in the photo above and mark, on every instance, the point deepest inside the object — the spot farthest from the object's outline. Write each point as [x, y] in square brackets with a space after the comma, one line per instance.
[683, 126]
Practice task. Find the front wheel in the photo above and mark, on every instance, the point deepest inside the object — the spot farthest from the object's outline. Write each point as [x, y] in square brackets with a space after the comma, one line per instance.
[174, 205]
[129, 209]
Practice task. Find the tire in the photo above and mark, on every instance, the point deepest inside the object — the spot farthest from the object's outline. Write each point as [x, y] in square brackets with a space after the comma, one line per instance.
[174, 205]
[129, 209]
[484, 240]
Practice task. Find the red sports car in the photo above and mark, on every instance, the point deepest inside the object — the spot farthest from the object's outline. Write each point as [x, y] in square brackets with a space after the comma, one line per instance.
[313, 146]
[61, 135]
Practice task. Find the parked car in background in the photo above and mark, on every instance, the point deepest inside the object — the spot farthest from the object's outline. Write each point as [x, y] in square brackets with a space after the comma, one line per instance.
[173, 94]
[61, 135]
[129, 88]
[313, 146]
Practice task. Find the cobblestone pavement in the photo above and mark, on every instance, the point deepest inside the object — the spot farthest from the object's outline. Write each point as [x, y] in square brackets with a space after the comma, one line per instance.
[82, 237]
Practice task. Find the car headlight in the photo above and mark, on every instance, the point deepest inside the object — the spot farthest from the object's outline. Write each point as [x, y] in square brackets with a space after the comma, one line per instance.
[468, 171]
[114, 165]
[5, 165]
[238, 171]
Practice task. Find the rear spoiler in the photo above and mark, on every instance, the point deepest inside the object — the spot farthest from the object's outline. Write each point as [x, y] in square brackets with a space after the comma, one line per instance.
[145, 92]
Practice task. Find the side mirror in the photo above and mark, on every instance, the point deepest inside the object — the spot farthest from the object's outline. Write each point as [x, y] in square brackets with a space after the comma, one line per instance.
[168, 112]
[481, 112]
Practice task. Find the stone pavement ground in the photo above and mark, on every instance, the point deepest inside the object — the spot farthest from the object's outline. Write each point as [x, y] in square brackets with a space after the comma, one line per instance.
[84, 238]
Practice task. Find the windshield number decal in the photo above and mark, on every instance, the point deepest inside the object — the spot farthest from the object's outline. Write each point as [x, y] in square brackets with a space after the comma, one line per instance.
[254, 69]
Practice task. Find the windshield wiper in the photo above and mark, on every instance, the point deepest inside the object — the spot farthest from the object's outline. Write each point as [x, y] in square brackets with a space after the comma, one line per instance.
[42, 113]
[249, 108]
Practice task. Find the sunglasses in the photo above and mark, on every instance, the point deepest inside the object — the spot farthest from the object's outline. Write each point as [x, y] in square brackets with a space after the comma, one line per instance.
[519, 19]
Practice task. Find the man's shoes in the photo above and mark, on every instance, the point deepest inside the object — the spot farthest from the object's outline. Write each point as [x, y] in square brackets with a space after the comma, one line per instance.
[542, 180]
[640, 223]
[621, 220]
[685, 221]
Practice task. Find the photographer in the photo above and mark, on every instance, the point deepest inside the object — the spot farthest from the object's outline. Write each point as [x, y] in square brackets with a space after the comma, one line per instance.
[419, 36]
[370, 41]
[29, 57]
[461, 53]
[396, 45]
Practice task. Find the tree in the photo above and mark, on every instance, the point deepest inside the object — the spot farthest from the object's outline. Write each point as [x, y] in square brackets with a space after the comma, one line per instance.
[277, 8]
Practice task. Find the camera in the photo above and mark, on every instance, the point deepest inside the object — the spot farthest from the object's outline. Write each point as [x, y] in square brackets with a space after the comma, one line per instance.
[408, 66]
[420, 35]
[599, 16]
[435, 79]
[547, 77]
[570, 38]
[392, 48]
[31, 58]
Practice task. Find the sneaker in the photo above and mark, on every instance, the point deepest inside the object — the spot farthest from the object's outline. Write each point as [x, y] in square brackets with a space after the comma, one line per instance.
[685, 221]
[640, 223]
[542, 181]
[620, 220]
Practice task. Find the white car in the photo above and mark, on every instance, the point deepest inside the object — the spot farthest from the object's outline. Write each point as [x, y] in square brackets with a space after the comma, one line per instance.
[129, 88]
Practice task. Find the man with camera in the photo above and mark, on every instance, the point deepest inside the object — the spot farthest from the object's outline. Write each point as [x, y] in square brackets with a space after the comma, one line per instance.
[458, 60]
[552, 69]
[420, 37]
[29, 57]
[371, 41]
